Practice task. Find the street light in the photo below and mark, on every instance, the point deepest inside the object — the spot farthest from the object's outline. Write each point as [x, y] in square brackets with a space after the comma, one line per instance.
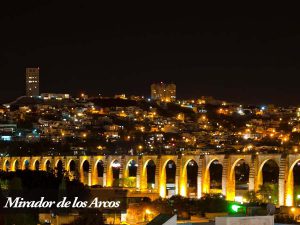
[235, 208]
[147, 214]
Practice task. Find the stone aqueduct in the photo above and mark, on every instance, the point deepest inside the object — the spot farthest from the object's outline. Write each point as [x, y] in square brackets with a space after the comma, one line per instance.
[285, 163]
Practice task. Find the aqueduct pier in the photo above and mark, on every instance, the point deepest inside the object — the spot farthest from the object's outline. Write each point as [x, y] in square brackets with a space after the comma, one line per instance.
[87, 168]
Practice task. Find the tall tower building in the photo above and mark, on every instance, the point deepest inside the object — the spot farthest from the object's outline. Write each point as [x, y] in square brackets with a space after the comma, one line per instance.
[32, 81]
[163, 92]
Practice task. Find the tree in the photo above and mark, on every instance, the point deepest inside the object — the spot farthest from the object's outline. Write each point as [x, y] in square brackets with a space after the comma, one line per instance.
[251, 197]
[15, 184]
[268, 193]
[129, 181]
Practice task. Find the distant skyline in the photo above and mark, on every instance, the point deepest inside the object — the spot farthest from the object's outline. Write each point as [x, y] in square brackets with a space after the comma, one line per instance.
[81, 47]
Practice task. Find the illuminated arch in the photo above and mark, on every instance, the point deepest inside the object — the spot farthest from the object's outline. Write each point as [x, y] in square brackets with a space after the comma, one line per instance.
[69, 166]
[206, 177]
[163, 177]
[259, 180]
[232, 169]
[230, 184]
[58, 161]
[98, 173]
[84, 171]
[36, 165]
[130, 174]
[6, 165]
[289, 198]
[85, 166]
[184, 177]
[101, 163]
[47, 165]
[144, 178]
[127, 172]
[15, 165]
[71, 169]
[110, 173]
[59, 167]
[26, 164]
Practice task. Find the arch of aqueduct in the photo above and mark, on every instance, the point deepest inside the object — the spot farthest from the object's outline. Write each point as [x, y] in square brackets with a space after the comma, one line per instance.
[285, 163]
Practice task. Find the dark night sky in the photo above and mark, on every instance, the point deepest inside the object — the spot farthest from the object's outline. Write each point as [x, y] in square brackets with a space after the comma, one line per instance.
[248, 57]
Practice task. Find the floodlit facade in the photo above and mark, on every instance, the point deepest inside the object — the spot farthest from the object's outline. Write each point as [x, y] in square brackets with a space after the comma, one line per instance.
[163, 92]
[32, 81]
[47, 96]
